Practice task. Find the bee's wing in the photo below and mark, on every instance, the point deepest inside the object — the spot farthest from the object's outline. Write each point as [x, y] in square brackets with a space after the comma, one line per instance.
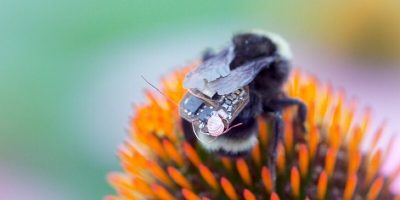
[210, 70]
[239, 77]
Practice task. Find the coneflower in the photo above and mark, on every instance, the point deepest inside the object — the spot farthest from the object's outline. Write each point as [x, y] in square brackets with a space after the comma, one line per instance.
[324, 163]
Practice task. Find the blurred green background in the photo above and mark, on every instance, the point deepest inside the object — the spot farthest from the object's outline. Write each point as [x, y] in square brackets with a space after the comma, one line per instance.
[69, 71]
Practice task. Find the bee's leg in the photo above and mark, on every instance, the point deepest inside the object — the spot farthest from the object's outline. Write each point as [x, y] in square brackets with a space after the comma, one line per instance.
[277, 136]
[302, 109]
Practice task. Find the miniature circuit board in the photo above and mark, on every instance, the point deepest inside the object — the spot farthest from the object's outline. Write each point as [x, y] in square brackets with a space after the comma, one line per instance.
[197, 108]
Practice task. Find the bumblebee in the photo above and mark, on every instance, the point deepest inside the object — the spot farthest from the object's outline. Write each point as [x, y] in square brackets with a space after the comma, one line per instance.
[231, 88]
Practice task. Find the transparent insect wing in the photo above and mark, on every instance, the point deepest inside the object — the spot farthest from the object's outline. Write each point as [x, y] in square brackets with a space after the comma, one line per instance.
[210, 70]
[239, 77]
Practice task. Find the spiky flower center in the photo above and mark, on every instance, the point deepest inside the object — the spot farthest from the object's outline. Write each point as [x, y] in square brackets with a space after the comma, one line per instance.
[324, 163]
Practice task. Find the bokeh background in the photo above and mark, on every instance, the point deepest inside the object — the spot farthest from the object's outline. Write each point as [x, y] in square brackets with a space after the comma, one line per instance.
[70, 73]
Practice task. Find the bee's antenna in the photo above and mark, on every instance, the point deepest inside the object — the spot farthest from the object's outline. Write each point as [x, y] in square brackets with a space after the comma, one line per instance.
[158, 90]
[234, 126]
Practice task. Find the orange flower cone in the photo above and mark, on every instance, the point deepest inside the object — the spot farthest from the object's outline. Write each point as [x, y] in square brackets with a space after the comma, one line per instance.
[326, 162]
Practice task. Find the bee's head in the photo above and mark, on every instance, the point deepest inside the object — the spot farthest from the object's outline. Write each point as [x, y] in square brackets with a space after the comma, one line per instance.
[250, 46]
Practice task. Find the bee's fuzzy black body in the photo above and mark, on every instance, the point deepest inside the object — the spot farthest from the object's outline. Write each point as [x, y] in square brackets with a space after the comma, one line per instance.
[266, 96]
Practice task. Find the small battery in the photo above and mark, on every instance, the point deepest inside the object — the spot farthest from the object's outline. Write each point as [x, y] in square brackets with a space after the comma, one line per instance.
[192, 104]
[207, 112]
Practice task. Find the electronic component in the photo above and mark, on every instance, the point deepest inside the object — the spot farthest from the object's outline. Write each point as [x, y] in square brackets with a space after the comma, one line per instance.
[192, 104]
[197, 108]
